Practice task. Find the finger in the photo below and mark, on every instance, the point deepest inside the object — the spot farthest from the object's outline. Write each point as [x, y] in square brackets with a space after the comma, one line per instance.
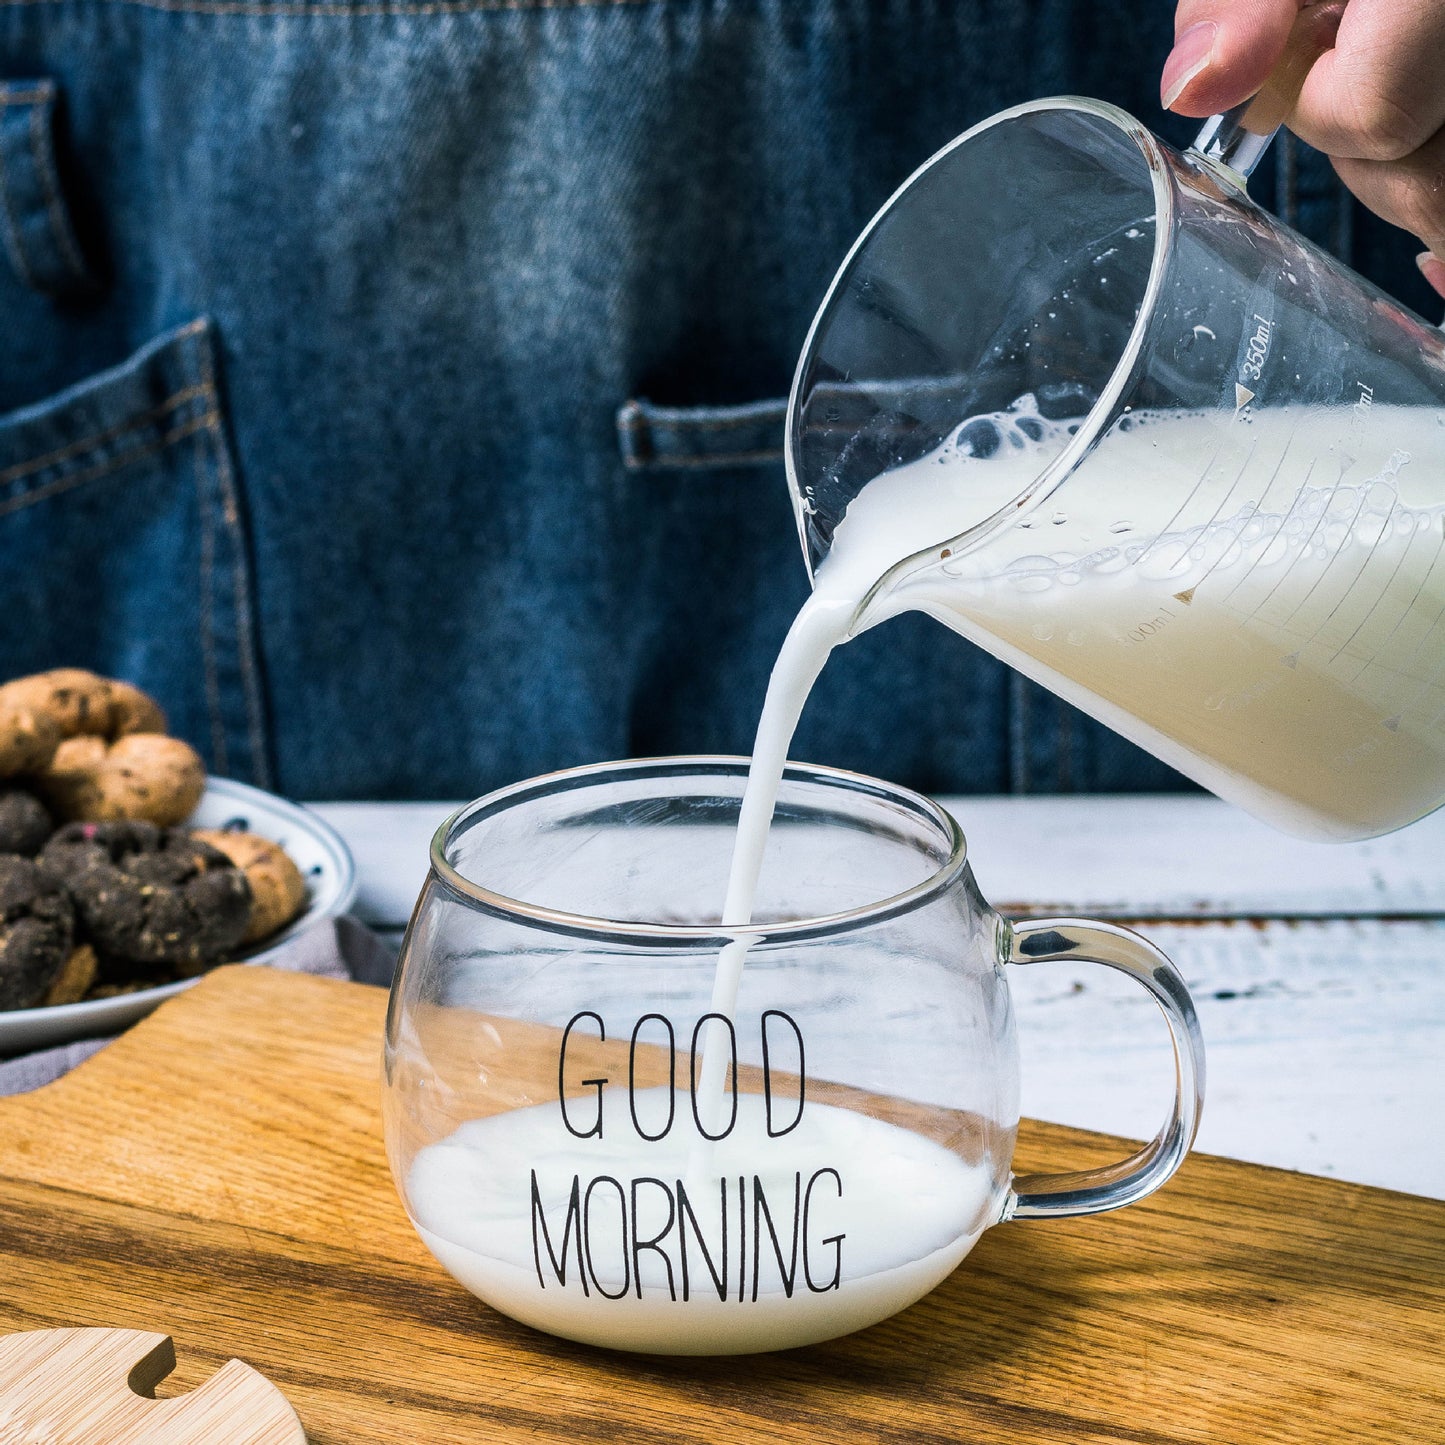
[1432, 268]
[1410, 192]
[1223, 52]
[1380, 93]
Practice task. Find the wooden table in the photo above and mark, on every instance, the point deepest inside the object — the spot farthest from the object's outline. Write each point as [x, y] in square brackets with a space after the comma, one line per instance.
[218, 1174]
[1318, 970]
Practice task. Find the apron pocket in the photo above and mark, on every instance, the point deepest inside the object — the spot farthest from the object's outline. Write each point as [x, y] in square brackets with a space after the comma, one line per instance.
[123, 545]
[653, 437]
[35, 224]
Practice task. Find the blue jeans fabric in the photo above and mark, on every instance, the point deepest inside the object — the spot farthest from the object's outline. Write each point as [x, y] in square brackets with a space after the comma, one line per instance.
[394, 389]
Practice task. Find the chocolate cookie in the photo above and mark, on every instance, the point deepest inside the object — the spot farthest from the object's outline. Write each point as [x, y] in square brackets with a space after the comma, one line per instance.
[25, 822]
[150, 896]
[37, 925]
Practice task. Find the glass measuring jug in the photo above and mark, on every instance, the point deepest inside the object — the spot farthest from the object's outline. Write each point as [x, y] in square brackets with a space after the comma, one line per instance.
[1074, 395]
[545, 1118]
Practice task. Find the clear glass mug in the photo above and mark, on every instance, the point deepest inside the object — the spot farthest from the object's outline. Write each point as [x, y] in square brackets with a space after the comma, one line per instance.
[1228, 538]
[543, 1060]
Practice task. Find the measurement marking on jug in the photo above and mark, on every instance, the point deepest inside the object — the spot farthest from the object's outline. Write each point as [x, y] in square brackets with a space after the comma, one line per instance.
[1244, 520]
[1329, 566]
[1165, 530]
[1430, 683]
[1201, 531]
[1432, 680]
[1256, 353]
[1151, 627]
[1372, 608]
[1279, 531]
[1375, 605]
[1390, 471]
[1303, 552]
[1264, 491]
[1399, 621]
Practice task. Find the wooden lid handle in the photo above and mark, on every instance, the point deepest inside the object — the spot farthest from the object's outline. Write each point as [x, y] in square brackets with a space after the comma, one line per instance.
[93, 1387]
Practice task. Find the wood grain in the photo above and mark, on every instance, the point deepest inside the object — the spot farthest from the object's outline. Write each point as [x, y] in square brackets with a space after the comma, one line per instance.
[97, 1387]
[218, 1175]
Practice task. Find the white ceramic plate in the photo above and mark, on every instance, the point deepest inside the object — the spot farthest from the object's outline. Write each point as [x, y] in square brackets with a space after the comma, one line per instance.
[316, 849]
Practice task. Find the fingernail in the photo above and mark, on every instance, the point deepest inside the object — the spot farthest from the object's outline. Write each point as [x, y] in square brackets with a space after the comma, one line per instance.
[1192, 53]
[1432, 268]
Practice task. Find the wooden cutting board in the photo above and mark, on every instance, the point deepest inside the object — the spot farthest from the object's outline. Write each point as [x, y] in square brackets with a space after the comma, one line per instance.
[218, 1175]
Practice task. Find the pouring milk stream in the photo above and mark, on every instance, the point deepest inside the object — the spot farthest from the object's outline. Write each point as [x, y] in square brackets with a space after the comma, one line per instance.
[1253, 587]
[1290, 558]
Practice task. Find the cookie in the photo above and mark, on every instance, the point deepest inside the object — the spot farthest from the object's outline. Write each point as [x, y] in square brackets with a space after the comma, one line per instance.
[140, 775]
[25, 822]
[278, 891]
[84, 703]
[149, 897]
[37, 927]
[28, 737]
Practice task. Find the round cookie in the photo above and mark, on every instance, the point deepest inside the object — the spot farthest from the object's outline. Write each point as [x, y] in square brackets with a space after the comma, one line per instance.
[141, 775]
[37, 926]
[28, 738]
[25, 822]
[76, 975]
[84, 703]
[148, 896]
[278, 891]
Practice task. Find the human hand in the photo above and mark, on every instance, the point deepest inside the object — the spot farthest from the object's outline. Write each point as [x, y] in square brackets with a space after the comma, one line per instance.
[1375, 103]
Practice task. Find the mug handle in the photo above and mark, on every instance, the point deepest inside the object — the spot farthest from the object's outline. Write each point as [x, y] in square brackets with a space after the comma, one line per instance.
[1091, 1191]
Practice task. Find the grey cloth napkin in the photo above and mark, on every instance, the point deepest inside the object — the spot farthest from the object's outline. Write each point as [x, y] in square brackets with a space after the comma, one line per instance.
[333, 948]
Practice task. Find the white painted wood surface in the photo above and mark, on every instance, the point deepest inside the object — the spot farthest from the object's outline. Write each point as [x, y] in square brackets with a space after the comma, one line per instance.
[1318, 970]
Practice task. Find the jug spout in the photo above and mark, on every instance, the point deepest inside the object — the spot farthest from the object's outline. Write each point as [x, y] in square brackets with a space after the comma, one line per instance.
[970, 317]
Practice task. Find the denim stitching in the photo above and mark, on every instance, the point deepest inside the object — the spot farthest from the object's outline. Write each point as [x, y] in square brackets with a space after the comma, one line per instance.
[246, 640]
[260, 767]
[37, 96]
[363, 10]
[722, 459]
[207, 624]
[90, 443]
[210, 667]
[638, 421]
[115, 464]
[50, 184]
[12, 233]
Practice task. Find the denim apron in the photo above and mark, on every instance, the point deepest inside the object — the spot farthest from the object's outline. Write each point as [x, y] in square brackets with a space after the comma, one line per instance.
[395, 387]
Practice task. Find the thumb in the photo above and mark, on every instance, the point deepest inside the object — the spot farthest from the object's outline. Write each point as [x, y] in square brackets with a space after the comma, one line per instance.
[1223, 52]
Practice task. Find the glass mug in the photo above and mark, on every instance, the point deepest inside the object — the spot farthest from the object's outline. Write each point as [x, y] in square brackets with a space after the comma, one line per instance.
[547, 1122]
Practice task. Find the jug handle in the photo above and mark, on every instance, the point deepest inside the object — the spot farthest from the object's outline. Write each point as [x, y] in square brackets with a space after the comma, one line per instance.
[1238, 139]
[1092, 1191]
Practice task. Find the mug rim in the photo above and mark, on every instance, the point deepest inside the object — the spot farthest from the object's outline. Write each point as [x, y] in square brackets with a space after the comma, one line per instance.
[712, 934]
